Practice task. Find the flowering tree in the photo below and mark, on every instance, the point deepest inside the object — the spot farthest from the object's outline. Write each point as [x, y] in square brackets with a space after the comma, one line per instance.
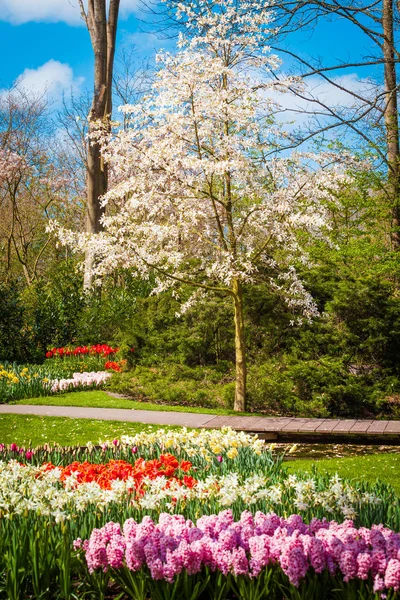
[202, 199]
[32, 185]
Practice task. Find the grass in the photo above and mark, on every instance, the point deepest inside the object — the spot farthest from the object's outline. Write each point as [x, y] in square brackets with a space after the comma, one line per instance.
[36, 430]
[370, 468]
[100, 399]
[27, 430]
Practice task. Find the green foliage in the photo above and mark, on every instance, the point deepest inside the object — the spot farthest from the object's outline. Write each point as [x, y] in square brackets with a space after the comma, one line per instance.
[345, 363]
[53, 306]
[176, 384]
[201, 336]
[309, 388]
[108, 314]
[13, 336]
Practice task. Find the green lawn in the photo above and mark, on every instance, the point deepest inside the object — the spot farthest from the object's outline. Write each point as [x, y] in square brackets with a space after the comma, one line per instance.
[35, 430]
[100, 399]
[385, 467]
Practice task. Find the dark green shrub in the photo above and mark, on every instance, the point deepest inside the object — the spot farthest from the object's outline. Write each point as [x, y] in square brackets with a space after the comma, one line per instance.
[53, 307]
[15, 337]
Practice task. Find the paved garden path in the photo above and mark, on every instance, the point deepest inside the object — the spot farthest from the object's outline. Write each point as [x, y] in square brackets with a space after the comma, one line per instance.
[270, 427]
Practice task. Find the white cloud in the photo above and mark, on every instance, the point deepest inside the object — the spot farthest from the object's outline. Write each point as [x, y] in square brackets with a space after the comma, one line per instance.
[51, 79]
[51, 11]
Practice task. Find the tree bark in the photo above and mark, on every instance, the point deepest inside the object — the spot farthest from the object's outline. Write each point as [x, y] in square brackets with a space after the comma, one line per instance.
[240, 348]
[391, 118]
[103, 33]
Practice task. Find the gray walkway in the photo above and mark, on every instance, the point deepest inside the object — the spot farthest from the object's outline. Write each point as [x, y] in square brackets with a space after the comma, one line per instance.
[269, 427]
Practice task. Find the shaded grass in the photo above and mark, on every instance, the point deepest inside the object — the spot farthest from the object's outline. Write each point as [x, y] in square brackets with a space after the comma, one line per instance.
[33, 430]
[369, 468]
[100, 399]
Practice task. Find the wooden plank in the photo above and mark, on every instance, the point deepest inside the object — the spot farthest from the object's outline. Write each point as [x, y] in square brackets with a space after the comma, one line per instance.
[216, 422]
[303, 425]
[245, 423]
[377, 427]
[344, 426]
[274, 424]
[393, 427]
[361, 426]
[311, 425]
[295, 425]
[240, 423]
[327, 426]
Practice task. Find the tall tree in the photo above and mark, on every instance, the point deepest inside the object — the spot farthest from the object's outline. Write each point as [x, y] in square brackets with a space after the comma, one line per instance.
[371, 115]
[101, 22]
[391, 114]
[199, 202]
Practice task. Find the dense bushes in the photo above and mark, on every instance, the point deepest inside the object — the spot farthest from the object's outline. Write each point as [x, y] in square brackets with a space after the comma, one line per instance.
[344, 363]
[12, 323]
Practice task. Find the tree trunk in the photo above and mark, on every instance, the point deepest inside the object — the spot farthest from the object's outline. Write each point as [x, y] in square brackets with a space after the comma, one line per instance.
[240, 348]
[391, 118]
[103, 33]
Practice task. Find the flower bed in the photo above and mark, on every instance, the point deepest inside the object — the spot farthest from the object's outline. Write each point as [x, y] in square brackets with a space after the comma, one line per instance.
[286, 553]
[163, 482]
[65, 369]
[17, 382]
[95, 357]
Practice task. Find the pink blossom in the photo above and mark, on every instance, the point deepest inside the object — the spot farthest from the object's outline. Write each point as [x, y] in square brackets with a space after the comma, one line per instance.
[364, 562]
[392, 575]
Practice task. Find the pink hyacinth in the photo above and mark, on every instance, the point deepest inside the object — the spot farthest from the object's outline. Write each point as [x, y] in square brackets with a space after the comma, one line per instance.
[392, 575]
[246, 547]
[364, 565]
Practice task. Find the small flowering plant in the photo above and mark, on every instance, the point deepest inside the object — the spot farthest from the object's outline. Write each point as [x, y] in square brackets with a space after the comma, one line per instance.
[18, 382]
[111, 365]
[187, 476]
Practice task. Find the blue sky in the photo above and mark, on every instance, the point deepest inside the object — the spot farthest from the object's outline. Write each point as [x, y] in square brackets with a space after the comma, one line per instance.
[47, 42]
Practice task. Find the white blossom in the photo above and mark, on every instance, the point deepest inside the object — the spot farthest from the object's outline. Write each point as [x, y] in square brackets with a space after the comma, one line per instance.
[199, 194]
